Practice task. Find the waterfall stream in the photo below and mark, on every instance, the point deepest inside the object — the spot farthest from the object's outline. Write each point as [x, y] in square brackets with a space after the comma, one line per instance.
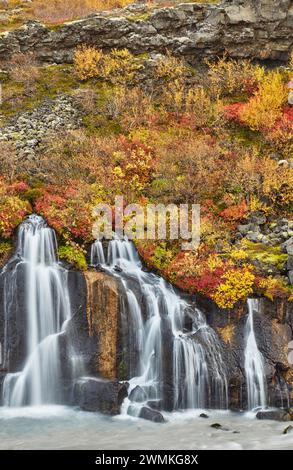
[46, 308]
[155, 312]
[254, 364]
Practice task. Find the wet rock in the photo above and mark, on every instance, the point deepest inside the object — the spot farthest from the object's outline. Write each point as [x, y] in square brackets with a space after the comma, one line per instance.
[151, 415]
[218, 426]
[288, 429]
[203, 415]
[92, 394]
[137, 394]
[117, 269]
[276, 415]
[155, 404]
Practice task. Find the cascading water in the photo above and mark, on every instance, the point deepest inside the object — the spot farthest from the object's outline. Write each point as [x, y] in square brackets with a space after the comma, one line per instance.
[254, 364]
[46, 308]
[197, 369]
[97, 254]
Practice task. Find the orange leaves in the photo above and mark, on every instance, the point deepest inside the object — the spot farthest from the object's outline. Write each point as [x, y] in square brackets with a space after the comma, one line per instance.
[235, 212]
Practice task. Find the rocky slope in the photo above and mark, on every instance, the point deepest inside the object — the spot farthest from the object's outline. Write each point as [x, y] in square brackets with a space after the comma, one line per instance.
[260, 29]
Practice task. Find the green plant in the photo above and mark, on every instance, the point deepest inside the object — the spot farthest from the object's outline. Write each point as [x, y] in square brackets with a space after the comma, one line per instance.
[74, 255]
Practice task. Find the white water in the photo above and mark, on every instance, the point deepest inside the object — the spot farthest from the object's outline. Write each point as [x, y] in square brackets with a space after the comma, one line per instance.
[65, 428]
[254, 363]
[97, 254]
[197, 365]
[47, 308]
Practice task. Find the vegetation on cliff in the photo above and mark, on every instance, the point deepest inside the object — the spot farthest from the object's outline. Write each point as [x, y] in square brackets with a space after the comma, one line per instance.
[155, 129]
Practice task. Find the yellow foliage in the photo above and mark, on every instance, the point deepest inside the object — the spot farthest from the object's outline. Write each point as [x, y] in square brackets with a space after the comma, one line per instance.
[227, 77]
[265, 108]
[119, 66]
[274, 287]
[277, 182]
[238, 285]
[171, 68]
[88, 62]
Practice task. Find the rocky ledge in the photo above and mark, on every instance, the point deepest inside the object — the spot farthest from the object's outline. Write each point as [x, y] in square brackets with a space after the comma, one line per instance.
[255, 29]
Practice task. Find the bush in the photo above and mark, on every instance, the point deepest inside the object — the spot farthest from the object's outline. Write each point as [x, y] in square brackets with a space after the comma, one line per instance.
[231, 77]
[119, 66]
[237, 284]
[58, 11]
[74, 255]
[265, 108]
[88, 62]
[24, 68]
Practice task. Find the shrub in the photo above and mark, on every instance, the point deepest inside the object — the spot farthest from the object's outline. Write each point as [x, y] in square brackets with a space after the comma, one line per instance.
[24, 68]
[265, 107]
[74, 255]
[12, 212]
[88, 62]
[117, 67]
[58, 11]
[230, 77]
[236, 284]
[273, 288]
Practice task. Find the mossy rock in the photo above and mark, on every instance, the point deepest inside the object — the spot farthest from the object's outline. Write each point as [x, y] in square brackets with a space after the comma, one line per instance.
[265, 254]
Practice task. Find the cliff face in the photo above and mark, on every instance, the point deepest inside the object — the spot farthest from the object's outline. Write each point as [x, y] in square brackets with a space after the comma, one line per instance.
[255, 29]
[273, 331]
[103, 320]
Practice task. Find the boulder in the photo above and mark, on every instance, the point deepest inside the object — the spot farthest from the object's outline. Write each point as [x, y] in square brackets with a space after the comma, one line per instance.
[276, 415]
[151, 415]
[287, 247]
[137, 394]
[92, 394]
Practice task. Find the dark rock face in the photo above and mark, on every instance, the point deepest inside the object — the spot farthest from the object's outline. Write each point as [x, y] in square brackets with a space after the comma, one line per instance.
[273, 331]
[255, 29]
[12, 323]
[92, 394]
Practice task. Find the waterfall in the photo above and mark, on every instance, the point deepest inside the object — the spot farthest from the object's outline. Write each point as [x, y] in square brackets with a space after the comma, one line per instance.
[254, 364]
[46, 309]
[156, 311]
[97, 254]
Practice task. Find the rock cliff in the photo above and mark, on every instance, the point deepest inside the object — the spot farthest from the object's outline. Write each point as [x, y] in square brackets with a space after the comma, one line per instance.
[255, 29]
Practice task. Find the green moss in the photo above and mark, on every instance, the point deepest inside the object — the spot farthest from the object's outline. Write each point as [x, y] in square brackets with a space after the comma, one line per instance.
[268, 255]
[52, 81]
[74, 255]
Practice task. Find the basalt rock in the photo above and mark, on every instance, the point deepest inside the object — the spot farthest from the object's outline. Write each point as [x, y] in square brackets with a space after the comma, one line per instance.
[104, 396]
[255, 29]
[151, 415]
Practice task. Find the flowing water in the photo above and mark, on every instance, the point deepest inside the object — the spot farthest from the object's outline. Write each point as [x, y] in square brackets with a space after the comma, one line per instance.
[197, 368]
[65, 428]
[254, 363]
[47, 309]
[168, 339]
